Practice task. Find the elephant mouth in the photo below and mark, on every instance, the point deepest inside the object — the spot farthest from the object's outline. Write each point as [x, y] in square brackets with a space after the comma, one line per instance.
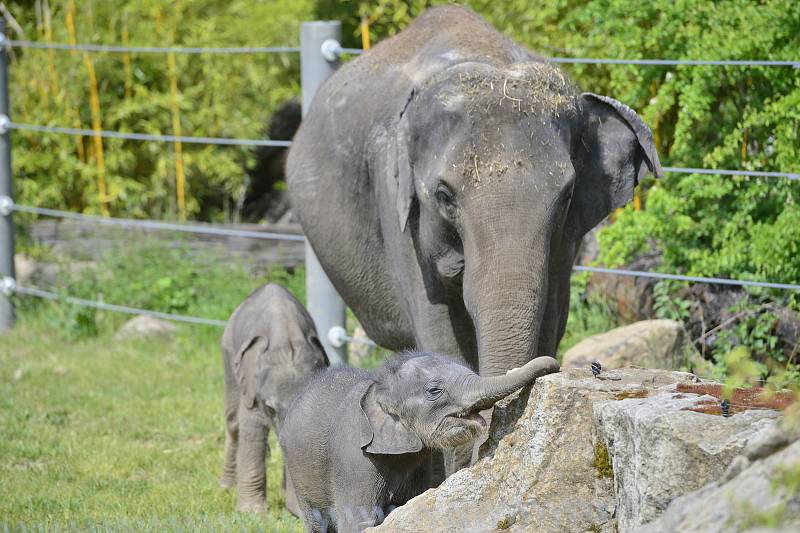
[473, 416]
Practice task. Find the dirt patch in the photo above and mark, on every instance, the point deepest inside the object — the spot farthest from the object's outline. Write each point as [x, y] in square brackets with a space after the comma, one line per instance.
[740, 400]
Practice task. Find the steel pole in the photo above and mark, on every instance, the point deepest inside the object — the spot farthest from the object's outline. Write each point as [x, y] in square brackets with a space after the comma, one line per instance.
[324, 303]
[6, 221]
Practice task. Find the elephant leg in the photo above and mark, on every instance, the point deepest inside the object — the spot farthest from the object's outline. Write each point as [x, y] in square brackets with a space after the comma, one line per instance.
[228, 479]
[314, 520]
[289, 496]
[358, 504]
[356, 518]
[253, 448]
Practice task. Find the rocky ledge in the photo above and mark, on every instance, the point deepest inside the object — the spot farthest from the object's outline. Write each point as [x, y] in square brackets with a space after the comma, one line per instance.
[628, 450]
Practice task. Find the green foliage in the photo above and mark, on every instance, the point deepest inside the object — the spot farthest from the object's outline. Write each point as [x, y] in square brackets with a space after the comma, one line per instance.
[667, 305]
[713, 117]
[740, 370]
[587, 315]
[218, 96]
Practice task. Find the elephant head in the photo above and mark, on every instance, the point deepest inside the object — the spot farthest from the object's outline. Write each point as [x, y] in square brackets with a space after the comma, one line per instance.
[271, 370]
[432, 401]
[500, 172]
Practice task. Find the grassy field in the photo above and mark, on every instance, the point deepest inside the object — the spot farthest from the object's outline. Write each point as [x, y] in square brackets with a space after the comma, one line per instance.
[118, 435]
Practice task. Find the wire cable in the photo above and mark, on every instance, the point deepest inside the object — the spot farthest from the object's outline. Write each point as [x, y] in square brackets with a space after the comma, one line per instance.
[154, 225]
[39, 293]
[286, 144]
[675, 62]
[146, 136]
[52, 296]
[680, 277]
[191, 228]
[752, 173]
[157, 49]
[356, 51]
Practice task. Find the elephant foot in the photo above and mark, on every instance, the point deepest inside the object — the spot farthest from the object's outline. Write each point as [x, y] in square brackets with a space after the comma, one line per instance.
[227, 481]
[251, 507]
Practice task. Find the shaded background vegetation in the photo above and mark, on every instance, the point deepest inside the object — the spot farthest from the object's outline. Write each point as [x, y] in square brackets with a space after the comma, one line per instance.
[709, 117]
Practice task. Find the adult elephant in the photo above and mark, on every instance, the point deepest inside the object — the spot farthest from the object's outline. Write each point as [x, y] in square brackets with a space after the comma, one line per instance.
[445, 179]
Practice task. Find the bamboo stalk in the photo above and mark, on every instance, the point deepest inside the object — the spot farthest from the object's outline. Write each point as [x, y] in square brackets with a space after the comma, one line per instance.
[48, 37]
[126, 58]
[744, 145]
[180, 177]
[69, 112]
[70, 20]
[97, 126]
[364, 33]
[76, 123]
[94, 105]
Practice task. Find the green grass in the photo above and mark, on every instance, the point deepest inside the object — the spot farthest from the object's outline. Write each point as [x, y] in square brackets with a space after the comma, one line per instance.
[118, 435]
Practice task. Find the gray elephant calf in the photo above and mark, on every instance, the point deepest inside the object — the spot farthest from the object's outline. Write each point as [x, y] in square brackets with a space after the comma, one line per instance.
[269, 349]
[356, 443]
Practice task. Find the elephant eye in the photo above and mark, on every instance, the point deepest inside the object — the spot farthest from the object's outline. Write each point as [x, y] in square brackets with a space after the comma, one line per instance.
[433, 389]
[444, 198]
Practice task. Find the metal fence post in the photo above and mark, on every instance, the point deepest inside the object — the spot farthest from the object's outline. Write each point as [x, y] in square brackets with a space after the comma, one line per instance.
[6, 221]
[324, 303]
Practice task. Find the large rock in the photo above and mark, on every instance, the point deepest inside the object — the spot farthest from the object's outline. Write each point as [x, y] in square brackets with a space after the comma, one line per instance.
[659, 450]
[145, 327]
[649, 344]
[557, 451]
[757, 496]
[29, 272]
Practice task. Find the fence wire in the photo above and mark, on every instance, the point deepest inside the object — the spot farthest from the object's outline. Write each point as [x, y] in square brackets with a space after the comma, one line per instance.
[356, 51]
[285, 144]
[124, 309]
[154, 225]
[157, 49]
[751, 173]
[47, 295]
[694, 279]
[675, 62]
[146, 136]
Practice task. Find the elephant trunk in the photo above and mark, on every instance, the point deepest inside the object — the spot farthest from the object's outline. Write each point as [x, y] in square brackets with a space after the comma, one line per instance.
[505, 292]
[489, 390]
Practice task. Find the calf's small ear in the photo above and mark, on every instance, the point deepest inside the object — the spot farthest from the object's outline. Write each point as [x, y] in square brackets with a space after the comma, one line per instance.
[383, 433]
[614, 153]
[246, 367]
[314, 341]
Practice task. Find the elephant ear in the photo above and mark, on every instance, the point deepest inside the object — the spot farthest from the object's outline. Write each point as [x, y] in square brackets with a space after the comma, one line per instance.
[615, 152]
[247, 367]
[314, 341]
[404, 172]
[382, 432]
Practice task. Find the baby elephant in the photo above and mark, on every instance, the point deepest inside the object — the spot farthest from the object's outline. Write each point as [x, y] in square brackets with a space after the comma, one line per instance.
[269, 349]
[356, 443]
